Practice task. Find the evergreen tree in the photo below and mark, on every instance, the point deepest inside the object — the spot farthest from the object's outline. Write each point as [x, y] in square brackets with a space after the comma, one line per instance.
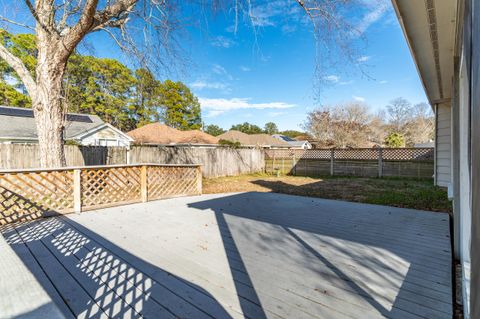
[270, 128]
[247, 128]
[182, 109]
[214, 130]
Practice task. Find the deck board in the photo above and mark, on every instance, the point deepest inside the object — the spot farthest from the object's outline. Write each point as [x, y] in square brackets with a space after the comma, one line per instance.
[247, 255]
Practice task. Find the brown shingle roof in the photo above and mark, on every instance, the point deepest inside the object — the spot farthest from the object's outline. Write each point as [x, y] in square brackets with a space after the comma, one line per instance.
[157, 133]
[197, 137]
[252, 139]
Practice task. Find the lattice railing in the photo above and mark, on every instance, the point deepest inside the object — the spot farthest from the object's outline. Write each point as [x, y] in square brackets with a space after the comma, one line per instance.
[29, 194]
[410, 162]
[103, 186]
[387, 154]
[177, 181]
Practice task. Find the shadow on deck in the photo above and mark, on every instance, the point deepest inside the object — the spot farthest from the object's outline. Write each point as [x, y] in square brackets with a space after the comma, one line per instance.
[88, 276]
[288, 257]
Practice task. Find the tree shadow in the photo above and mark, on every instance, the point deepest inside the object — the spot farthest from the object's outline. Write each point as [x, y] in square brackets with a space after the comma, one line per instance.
[381, 259]
[86, 275]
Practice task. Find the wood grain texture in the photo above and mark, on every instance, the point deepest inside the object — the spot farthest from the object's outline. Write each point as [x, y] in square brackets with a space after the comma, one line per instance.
[247, 255]
[30, 194]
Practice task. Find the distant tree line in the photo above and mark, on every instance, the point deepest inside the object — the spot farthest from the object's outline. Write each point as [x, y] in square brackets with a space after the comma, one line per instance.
[352, 124]
[105, 87]
[269, 128]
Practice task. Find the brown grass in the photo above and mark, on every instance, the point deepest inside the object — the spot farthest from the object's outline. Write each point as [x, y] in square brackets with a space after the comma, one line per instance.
[407, 193]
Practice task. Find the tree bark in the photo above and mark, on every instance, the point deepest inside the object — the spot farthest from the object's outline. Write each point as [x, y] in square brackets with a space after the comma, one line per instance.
[47, 101]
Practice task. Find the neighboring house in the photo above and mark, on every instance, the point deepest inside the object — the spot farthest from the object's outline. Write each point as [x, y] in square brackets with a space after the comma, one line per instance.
[295, 144]
[257, 140]
[17, 125]
[444, 39]
[160, 134]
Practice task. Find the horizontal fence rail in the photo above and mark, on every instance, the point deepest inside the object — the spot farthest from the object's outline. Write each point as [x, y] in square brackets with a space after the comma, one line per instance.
[30, 194]
[368, 162]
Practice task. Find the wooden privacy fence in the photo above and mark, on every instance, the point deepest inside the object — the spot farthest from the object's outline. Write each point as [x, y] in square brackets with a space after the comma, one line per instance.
[29, 194]
[215, 161]
[369, 162]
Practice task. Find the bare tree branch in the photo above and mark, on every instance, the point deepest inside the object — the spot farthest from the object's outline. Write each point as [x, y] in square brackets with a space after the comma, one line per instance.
[2, 18]
[20, 69]
[83, 26]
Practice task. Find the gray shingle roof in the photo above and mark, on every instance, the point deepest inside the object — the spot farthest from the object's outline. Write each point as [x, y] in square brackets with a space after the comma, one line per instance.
[16, 122]
[291, 141]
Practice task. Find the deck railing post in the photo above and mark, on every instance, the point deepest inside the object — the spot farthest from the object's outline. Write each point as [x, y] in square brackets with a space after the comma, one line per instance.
[380, 162]
[332, 161]
[77, 190]
[144, 184]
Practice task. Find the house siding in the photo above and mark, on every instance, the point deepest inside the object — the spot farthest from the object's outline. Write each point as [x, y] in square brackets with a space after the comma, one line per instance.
[106, 134]
[443, 145]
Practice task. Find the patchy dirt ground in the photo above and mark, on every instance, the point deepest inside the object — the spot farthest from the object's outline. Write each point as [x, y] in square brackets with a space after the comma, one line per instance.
[407, 193]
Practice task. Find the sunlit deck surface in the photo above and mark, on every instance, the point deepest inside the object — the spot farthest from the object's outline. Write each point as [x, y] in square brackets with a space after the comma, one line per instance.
[253, 255]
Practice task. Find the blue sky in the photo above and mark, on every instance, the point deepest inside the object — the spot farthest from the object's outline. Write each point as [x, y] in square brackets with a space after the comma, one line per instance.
[268, 73]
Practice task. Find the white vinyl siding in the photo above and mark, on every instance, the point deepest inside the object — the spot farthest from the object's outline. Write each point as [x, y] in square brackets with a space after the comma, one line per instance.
[443, 145]
[105, 137]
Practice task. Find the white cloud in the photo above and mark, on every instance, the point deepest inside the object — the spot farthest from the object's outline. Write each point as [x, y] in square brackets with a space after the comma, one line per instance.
[200, 85]
[245, 68]
[288, 28]
[378, 10]
[336, 80]
[218, 69]
[332, 78]
[214, 113]
[363, 58]
[264, 15]
[359, 98]
[222, 42]
[223, 105]
[383, 82]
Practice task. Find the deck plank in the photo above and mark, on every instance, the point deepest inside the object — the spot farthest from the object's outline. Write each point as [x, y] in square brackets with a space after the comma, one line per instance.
[412, 300]
[247, 255]
[73, 293]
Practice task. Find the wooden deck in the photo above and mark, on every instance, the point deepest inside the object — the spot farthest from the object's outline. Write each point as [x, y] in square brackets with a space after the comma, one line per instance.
[253, 255]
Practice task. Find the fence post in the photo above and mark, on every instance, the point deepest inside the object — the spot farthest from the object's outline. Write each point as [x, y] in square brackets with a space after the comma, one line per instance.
[77, 190]
[294, 165]
[199, 180]
[144, 184]
[380, 162]
[273, 163]
[332, 161]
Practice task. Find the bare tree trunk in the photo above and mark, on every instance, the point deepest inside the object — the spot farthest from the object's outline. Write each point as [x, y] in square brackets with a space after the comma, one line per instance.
[50, 124]
[48, 103]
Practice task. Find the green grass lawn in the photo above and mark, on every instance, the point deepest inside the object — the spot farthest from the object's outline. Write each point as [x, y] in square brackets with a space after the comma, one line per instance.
[399, 192]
